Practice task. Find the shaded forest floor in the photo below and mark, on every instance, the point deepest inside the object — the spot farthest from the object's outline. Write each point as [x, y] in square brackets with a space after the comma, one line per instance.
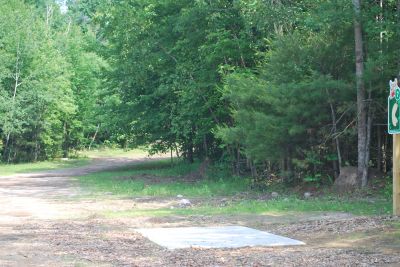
[48, 219]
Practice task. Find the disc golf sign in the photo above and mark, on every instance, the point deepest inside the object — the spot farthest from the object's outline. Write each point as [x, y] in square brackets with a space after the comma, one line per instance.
[394, 128]
[394, 108]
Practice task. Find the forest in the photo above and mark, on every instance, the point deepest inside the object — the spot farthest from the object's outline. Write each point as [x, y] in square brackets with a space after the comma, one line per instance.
[269, 88]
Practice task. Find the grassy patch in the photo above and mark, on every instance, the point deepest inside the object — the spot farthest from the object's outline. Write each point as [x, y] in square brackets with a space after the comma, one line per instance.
[160, 179]
[11, 169]
[136, 180]
[294, 204]
[161, 168]
[279, 206]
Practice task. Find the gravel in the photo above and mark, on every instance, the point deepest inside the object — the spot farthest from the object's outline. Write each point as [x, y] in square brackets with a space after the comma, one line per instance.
[99, 242]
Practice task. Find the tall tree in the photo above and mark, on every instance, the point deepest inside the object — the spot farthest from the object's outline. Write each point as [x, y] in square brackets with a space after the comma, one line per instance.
[361, 97]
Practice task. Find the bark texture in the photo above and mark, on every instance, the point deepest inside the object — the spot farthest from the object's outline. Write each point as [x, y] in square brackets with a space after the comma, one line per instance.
[361, 97]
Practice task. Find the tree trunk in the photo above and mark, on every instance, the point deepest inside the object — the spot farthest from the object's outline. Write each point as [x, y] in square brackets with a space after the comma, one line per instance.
[238, 159]
[94, 136]
[17, 83]
[177, 151]
[190, 156]
[49, 15]
[205, 146]
[361, 95]
[172, 157]
[364, 178]
[385, 153]
[66, 142]
[289, 165]
[337, 165]
[37, 148]
[379, 156]
[253, 169]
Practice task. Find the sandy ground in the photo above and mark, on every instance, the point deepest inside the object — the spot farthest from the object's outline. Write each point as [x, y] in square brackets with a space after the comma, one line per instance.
[43, 223]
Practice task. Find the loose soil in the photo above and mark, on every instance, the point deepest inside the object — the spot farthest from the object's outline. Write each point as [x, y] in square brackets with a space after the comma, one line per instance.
[45, 220]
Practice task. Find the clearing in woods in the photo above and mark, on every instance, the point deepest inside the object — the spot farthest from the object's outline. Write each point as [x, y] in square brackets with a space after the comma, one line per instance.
[48, 219]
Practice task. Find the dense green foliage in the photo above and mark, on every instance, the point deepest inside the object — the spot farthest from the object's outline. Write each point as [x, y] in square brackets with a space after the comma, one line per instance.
[49, 77]
[266, 86]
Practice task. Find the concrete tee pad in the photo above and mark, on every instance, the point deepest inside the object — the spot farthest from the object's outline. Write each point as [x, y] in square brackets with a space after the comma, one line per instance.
[214, 237]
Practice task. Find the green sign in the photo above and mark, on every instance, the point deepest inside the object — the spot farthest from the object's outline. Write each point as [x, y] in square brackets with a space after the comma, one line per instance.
[394, 108]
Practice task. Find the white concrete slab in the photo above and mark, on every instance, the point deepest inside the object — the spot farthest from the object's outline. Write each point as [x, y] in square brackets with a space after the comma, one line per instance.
[214, 237]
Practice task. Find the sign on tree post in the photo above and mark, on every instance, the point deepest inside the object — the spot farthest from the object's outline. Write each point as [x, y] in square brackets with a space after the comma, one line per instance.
[393, 108]
[394, 128]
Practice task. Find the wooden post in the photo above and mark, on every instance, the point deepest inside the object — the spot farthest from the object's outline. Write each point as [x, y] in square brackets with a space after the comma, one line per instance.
[396, 174]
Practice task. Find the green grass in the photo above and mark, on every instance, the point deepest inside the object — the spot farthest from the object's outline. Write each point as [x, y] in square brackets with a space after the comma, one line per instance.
[134, 181]
[10, 169]
[161, 168]
[276, 207]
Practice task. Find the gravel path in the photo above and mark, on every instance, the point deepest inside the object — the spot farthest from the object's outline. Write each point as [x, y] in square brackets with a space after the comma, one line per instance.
[43, 224]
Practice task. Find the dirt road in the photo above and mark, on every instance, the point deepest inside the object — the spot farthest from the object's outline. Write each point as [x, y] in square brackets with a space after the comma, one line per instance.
[43, 223]
[39, 198]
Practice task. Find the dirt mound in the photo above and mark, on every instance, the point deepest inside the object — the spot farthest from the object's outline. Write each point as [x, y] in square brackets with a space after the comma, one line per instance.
[200, 173]
[347, 180]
